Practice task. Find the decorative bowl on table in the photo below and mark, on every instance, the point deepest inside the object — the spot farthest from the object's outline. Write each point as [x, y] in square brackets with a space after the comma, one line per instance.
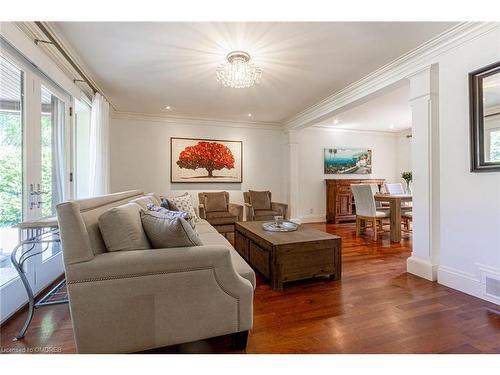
[283, 226]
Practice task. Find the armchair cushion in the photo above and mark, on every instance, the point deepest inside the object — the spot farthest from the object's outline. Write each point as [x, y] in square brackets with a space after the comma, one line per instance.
[121, 228]
[164, 231]
[215, 202]
[260, 200]
[221, 218]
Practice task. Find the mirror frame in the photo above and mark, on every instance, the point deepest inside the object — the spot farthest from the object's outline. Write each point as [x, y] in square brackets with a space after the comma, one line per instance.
[478, 164]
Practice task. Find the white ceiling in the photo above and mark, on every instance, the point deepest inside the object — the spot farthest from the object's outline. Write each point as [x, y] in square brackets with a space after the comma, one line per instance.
[390, 112]
[143, 67]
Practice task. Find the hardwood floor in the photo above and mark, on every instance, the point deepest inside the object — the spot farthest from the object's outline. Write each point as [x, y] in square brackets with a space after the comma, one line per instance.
[376, 308]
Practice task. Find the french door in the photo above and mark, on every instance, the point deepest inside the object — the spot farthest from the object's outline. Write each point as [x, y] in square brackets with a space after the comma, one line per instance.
[35, 134]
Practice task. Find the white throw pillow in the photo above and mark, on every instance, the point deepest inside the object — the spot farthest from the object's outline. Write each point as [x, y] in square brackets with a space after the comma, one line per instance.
[121, 228]
[164, 231]
[182, 203]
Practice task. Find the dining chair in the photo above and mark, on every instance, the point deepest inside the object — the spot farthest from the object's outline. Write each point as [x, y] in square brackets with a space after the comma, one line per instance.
[397, 189]
[407, 217]
[394, 188]
[366, 210]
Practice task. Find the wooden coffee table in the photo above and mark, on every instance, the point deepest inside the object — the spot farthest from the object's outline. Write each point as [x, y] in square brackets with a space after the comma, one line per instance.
[288, 256]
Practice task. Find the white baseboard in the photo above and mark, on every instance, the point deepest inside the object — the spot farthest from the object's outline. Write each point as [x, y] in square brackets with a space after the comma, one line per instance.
[468, 283]
[312, 219]
[421, 268]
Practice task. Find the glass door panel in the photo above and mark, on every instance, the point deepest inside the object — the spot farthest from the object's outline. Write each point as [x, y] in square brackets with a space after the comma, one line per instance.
[11, 164]
[52, 171]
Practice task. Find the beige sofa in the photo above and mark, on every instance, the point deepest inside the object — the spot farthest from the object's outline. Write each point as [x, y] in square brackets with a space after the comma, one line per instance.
[129, 301]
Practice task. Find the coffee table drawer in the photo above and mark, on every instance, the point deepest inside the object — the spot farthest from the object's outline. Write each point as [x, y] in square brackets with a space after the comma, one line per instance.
[259, 258]
[241, 244]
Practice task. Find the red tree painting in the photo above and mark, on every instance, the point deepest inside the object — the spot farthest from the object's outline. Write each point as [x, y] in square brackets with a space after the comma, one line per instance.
[212, 156]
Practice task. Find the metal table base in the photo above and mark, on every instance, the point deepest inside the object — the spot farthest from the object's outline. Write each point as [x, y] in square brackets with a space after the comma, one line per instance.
[36, 235]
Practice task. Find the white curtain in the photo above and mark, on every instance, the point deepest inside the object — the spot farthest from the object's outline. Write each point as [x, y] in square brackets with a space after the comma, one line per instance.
[58, 151]
[99, 147]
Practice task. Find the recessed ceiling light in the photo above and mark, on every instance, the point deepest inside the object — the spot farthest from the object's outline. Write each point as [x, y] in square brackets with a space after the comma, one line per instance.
[391, 126]
[336, 121]
[249, 115]
[168, 108]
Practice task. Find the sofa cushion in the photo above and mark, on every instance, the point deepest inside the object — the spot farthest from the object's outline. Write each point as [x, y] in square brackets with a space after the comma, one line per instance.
[220, 218]
[239, 264]
[215, 202]
[260, 200]
[203, 226]
[182, 203]
[164, 231]
[121, 228]
[144, 201]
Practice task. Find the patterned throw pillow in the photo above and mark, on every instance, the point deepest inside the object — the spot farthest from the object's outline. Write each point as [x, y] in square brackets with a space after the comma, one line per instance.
[173, 214]
[182, 203]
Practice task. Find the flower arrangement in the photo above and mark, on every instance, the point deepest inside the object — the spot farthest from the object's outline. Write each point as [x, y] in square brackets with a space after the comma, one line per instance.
[407, 176]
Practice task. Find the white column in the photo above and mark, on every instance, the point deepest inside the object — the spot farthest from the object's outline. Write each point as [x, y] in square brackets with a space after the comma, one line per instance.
[292, 143]
[424, 86]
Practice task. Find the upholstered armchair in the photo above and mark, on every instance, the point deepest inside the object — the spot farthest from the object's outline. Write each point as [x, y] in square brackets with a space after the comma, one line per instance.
[259, 206]
[219, 212]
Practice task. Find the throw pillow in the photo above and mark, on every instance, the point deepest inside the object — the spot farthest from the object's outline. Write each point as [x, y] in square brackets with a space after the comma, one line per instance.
[182, 203]
[173, 214]
[164, 231]
[164, 203]
[215, 202]
[260, 200]
[121, 228]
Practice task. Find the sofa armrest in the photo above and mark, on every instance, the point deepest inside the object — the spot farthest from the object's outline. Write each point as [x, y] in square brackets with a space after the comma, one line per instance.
[280, 207]
[236, 210]
[201, 211]
[249, 212]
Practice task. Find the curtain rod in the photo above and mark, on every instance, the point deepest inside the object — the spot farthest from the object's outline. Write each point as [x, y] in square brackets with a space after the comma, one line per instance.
[54, 42]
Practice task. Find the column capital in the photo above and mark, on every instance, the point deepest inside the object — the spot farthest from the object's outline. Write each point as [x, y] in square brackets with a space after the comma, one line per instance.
[424, 82]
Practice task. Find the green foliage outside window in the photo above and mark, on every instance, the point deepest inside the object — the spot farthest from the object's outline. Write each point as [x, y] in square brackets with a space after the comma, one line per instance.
[11, 166]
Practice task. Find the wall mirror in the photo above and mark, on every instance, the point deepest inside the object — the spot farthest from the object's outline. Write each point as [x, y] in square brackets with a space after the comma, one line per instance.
[484, 92]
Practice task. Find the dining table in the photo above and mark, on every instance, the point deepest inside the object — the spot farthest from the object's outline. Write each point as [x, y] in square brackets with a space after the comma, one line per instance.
[395, 201]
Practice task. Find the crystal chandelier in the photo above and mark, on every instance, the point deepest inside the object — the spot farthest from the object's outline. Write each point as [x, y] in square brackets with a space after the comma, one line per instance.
[238, 72]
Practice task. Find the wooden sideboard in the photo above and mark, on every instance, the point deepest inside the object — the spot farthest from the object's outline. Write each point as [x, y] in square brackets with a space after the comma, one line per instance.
[340, 204]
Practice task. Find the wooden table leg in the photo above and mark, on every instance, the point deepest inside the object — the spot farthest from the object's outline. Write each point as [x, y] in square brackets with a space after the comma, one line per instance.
[395, 220]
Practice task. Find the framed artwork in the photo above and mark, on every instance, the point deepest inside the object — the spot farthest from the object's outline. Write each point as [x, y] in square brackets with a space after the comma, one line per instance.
[347, 161]
[205, 160]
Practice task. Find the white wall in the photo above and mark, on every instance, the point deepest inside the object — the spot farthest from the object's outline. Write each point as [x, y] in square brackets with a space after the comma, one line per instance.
[312, 189]
[403, 152]
[470, 202]
[140, 157]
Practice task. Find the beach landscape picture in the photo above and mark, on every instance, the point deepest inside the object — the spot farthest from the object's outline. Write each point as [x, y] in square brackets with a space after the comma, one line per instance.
[347, 161]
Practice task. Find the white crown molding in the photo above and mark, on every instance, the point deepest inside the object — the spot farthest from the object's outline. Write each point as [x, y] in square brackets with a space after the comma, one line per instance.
[135, 116]
[332, 128]
[389, 74]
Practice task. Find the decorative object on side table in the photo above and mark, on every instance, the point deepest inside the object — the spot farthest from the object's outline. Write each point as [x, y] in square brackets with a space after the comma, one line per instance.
[205, 160]
[347, 161]
[407, 176]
